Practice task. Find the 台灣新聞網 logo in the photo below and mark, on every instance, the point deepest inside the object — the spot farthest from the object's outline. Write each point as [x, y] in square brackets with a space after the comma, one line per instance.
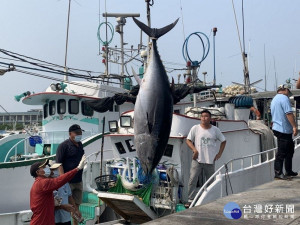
[232, 211]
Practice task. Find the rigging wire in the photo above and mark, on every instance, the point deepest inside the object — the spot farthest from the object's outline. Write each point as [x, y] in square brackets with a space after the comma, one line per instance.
[181, 11]
[237, 27]
[93, 78]
[99, 21]
[67, 41]
[42, 61]
[68, 82]
[243, 19]
[45, 67]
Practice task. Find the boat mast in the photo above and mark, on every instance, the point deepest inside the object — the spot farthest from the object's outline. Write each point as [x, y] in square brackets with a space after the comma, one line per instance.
[121, 20]
[67, 40]
[265, 67]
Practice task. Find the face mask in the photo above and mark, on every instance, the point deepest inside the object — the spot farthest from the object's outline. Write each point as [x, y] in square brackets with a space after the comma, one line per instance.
[47, 171]
[55, 173]
[78, 138]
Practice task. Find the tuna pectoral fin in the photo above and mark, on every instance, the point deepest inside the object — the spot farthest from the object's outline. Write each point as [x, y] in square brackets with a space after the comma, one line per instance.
[150, 125]
[154, 32]
[138, 80]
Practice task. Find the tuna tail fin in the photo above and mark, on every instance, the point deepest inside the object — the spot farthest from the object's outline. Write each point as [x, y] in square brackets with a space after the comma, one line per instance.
[154, 32]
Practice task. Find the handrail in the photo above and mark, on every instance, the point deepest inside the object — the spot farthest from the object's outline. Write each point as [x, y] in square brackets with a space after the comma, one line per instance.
[50, 137]
[218, 172]
[15, 147]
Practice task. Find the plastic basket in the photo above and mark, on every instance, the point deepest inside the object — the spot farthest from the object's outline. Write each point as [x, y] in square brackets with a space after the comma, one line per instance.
[34, 140]
[105, 182]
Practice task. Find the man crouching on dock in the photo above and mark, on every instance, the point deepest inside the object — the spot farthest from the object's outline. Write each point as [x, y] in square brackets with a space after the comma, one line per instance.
[41, 193]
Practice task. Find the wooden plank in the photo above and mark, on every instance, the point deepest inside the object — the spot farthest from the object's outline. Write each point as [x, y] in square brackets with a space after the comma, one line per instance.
[130, 207]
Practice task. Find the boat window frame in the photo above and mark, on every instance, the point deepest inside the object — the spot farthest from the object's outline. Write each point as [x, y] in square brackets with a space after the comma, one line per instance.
[83, 105]
[52, 110]
[45, 112]
[70, 108]
[169, 150]
[59, 108]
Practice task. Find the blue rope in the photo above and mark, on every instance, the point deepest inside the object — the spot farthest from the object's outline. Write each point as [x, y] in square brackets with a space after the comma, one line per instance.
[149, 178]
[205, 50]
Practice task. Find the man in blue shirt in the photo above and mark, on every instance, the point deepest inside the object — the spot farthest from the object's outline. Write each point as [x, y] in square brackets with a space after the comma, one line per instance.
[69, 154]
[284, 127]
[64, 203]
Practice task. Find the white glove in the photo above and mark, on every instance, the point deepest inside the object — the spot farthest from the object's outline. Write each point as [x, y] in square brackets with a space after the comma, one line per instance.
[82, 163]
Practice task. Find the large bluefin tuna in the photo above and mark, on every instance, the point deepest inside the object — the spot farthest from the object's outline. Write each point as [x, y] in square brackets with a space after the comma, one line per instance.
[154, 106]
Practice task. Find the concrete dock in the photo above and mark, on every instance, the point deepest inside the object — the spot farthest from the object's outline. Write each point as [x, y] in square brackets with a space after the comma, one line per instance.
[277, 202]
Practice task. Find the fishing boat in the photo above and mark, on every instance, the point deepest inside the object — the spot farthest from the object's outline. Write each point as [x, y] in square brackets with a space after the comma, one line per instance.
[115, 189]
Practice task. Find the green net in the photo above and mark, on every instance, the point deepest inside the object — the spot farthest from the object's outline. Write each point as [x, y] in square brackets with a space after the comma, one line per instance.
[144, 193]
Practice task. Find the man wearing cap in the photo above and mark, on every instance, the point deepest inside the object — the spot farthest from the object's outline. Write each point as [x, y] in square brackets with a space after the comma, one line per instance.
[41, 193]
[284, 127]
[69, 154]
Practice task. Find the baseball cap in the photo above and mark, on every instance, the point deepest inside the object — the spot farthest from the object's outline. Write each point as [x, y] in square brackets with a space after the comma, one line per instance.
[75, 127]
[53, 165]
[35, 166]
[283, 87]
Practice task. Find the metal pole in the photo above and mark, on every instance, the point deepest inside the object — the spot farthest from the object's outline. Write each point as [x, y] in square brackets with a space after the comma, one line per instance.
[122, 49]
[194, 69]
[102, 146]
[214, 31]
[149, 25]
[106, 45]
[67, 40]
[265, 67]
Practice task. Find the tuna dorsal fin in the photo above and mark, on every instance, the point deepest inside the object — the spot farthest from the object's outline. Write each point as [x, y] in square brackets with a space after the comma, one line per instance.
[136, 77]
[149, 124]
[154, 32]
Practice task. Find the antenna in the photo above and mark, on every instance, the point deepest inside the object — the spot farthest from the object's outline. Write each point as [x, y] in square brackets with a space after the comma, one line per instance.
[265, 67]
[276, 84]
[214, 31]
[67, 40]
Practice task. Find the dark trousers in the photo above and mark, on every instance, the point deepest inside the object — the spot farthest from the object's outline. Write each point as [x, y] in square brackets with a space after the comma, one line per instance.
[66, 223]
[284, 153]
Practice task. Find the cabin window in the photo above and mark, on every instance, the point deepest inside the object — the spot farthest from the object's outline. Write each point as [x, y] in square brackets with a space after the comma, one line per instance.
[51, 108]
[86, 109]
[169, 151]
[45, 111]
[73, 106]
[120, 147]
[61, 106]
[130, 145]
[177, 111]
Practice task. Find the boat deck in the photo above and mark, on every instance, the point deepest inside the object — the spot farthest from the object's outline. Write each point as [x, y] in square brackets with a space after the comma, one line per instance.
[279, 194]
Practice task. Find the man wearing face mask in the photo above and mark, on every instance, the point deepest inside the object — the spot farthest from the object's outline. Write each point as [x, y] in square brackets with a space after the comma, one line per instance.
[41, 193]
[69, 154]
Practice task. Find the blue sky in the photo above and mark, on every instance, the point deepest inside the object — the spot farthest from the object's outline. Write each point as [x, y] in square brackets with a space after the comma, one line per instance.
[37, 28]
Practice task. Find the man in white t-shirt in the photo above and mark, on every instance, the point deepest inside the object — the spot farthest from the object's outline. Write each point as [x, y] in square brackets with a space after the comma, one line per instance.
[202, 140]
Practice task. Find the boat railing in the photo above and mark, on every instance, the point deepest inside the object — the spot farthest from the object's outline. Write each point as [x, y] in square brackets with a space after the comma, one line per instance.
[50, 137]
[47, 138]
[15, 148]
[263, 157]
